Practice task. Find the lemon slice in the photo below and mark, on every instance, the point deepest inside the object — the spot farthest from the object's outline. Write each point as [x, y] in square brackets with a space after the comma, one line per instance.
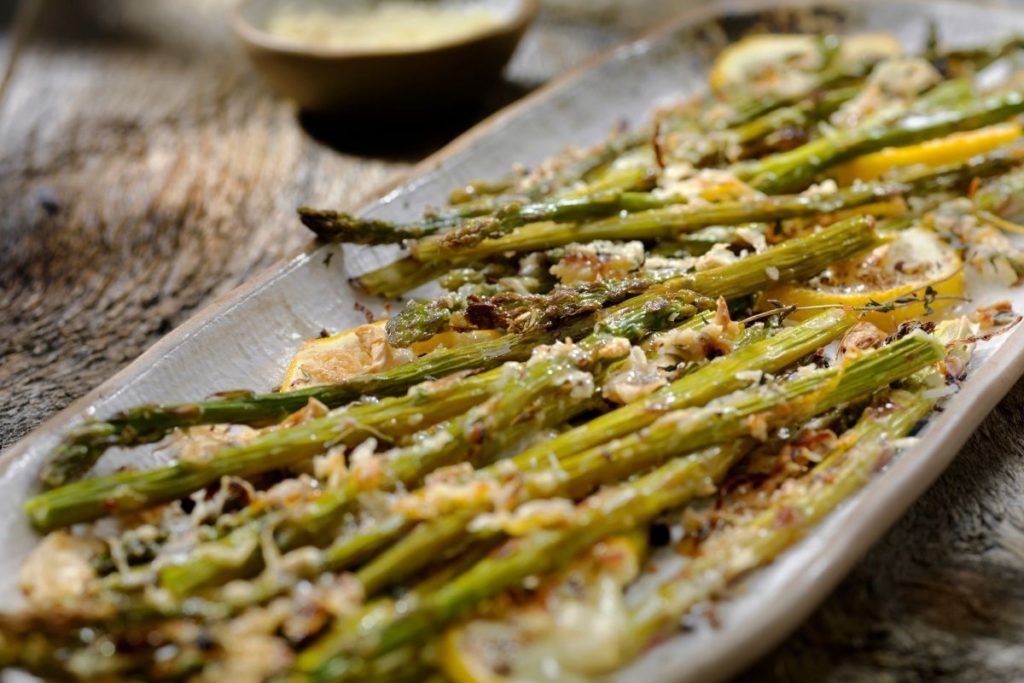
[485, 650]
[947, 150]
[915, 260]
[767, 55]
[476, 653]
[363, 349]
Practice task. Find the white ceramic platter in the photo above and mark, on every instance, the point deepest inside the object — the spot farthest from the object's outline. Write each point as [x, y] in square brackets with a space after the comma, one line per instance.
[246, 338]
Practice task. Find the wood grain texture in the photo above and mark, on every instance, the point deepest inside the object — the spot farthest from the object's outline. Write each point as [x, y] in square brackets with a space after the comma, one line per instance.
[145, 170]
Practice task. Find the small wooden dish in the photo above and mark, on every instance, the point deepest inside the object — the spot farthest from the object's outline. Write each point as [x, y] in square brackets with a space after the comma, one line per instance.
[331, 79]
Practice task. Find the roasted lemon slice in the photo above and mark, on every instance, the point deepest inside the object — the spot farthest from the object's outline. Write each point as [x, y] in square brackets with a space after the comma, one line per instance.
[908, 265]
[947, 150]
[477, 652]
[360, 350]
[765, 56]
[587, 592]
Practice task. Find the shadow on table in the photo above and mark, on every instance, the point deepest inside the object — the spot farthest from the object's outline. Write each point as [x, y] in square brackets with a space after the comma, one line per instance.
[400, 135]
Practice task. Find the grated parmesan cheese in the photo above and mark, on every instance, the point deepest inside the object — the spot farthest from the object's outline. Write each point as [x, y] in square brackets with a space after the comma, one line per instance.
[365, 466]
[633, 378]
[58, 570]
[755, 238]
[598, 260]
[331, 467]
[720, 254]
[198, 445]
[685, 345]
[545, 513]
[441, 497]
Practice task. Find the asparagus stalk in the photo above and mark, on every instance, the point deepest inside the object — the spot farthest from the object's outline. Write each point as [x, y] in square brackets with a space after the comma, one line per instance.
[696, 388]
[82, 447]
[758, 136]
[668, 223]
[795, 169]
[614, 511]
[459, 439]
[520, 396]
[724, 375]
[511, 311]
[754, 543]
[799, 116]
[333, 226]
[125, 491]
[502, 423]
[62, 645]
[636, 176]
[747, 108]
[613, 192]
[342, 654]
[601, 155]
[422, 319]
[730, 417]
[429, 258]
[968, 61]
[40, 655]
[798, 259]
[338, 226]
[479, 199]
[560, 210]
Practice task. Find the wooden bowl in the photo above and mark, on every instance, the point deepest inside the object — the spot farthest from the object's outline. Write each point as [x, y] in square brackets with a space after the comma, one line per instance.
[358, 82]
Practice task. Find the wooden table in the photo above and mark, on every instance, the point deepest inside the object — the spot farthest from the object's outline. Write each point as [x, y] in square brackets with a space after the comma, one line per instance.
[144, 170]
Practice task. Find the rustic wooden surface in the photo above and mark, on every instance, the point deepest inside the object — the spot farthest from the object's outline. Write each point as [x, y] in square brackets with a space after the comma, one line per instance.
[144, 170]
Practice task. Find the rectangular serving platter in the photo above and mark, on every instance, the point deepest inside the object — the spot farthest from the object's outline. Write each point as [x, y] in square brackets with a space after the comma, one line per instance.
[246, 338]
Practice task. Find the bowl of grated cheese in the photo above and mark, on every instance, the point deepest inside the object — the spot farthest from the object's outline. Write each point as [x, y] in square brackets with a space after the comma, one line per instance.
[373, 56]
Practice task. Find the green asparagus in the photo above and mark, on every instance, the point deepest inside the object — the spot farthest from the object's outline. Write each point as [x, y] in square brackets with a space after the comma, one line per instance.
[341, 654]
[83, 445]
[579, 472]
[126, 491]
[756, 542]
[428, 259]
[791, 262]
[795, 169]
